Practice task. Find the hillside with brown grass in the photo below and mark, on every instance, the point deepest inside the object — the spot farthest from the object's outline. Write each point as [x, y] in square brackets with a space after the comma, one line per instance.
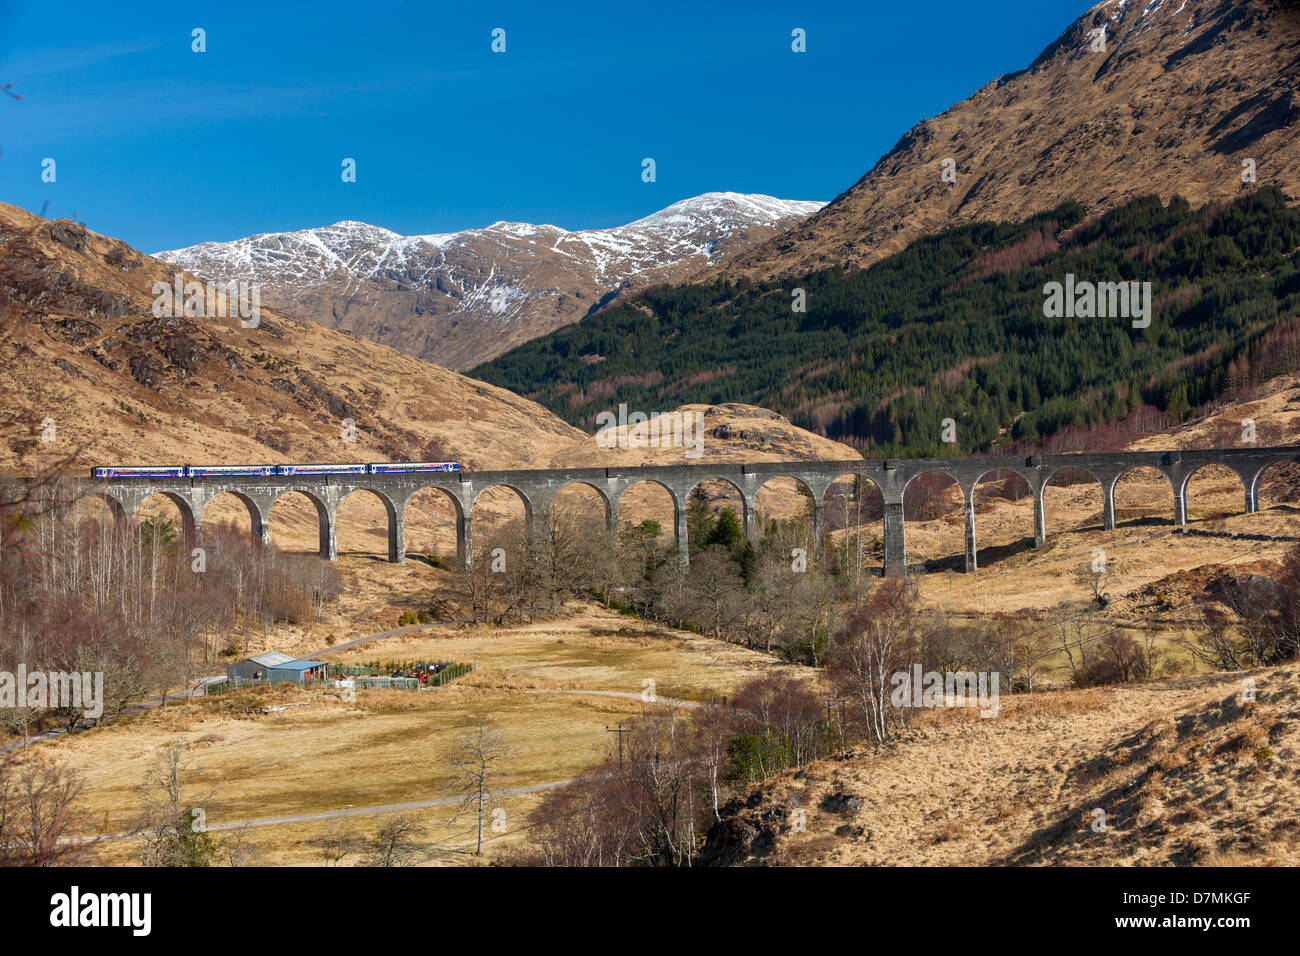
[1174, 100]
[83, 349]
[84, 352]
[1187, 770]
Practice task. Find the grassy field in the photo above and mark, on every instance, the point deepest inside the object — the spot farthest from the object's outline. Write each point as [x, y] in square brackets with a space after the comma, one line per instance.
[389, 746]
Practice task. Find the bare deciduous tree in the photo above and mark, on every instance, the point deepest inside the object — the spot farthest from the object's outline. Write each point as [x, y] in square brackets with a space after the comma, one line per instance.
[237, 849]
[880, 640]
[40, 814]
[396, 843]
[475, 760]
[1098, 577]
[336, 843]
[714, 590]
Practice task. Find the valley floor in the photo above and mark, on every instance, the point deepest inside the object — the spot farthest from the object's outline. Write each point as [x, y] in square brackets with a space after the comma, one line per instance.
[1171, 763]
[321, 754]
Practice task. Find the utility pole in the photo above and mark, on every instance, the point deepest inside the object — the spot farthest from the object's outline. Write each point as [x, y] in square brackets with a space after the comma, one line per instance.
[620, 730]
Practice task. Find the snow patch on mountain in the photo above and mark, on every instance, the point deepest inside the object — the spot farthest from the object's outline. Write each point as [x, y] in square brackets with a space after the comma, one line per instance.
[689, 228]
[513, 276]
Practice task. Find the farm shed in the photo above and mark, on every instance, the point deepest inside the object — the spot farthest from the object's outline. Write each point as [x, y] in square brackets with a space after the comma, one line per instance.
[298, 672]
[256, 667]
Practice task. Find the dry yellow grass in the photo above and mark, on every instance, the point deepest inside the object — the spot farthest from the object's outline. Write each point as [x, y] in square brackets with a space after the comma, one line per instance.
[388, 746]
[1144, 544]
[1178, 767]
[587, 648]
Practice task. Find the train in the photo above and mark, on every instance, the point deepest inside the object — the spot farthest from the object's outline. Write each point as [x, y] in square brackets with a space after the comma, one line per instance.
[262, 471]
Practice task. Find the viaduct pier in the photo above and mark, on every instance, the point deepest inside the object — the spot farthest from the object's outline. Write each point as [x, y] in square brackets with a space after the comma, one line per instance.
[537, 489]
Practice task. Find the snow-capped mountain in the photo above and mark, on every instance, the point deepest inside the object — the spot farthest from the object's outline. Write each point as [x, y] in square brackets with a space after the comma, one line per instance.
[461, 298]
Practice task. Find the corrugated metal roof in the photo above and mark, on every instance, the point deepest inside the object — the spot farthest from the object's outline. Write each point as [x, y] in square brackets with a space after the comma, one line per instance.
[271, 659]
[293, 665]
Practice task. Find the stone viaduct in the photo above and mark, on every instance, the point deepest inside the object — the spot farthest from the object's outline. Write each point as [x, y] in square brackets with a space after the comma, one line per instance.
[537, 488]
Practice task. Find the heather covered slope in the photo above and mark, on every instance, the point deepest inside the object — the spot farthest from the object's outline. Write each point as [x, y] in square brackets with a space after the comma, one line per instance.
[1183, 92]
[1186, 770]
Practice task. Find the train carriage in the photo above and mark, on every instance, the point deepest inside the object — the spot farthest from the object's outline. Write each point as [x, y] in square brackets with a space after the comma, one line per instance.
[257, 471]
[144, 471]
[413, 467]
[342, 468]
[228, 471]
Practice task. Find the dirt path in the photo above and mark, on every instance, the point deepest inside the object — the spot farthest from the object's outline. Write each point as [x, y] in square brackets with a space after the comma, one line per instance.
[332, 814]
[629, 695]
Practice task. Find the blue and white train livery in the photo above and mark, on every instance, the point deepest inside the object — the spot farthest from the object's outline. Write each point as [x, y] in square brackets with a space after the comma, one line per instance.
[177, 471]
[340, 469]
[228, 471]
[411, 467]
[259, 471]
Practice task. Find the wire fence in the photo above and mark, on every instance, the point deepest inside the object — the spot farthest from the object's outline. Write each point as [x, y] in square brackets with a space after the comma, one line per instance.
[357, 677]
[427, 673]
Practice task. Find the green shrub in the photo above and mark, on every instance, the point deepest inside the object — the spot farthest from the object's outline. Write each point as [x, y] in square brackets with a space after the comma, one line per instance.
[755, 757]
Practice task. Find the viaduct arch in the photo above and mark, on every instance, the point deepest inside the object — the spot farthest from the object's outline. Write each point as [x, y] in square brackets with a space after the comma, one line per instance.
[537, 489]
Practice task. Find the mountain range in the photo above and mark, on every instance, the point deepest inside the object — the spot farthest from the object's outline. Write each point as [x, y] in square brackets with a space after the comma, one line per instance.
[461, 298]
[92, 373]
[1195, 98]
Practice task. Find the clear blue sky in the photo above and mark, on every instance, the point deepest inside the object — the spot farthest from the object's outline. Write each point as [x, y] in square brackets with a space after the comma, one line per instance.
[164, 147]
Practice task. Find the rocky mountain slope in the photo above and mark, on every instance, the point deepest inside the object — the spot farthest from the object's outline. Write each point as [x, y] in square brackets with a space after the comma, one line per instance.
[462, 298]
[1185, 770]
[83, 349]
[1178, 95]
[955, 325]
[88, 365]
